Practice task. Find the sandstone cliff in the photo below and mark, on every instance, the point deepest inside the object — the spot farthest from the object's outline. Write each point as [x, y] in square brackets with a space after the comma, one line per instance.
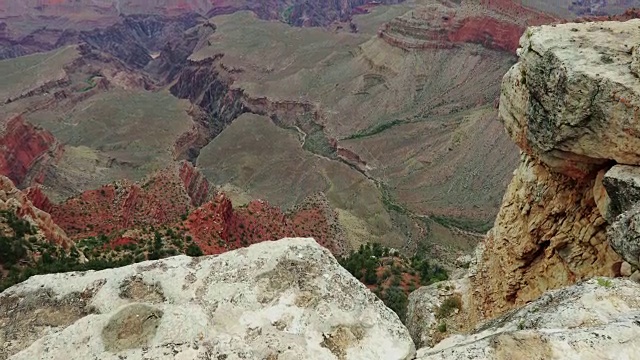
[571, 211]
[571, 105]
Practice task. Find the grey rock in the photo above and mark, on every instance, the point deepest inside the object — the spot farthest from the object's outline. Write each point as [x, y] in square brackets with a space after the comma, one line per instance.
[596, 319]
[635, 60]
[624, 236]
[284, 300]
[622, 184]
[570, 98]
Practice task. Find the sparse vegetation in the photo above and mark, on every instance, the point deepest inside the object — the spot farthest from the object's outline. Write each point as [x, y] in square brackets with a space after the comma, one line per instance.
[605, 282]
[14, 248]
[477, 226]
[390, 275]
[442, 327]
[449, 306]
[376, 129]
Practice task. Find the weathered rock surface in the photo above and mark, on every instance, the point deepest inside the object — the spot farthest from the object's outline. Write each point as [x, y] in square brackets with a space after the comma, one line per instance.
[571, 105]
[276, 300]
[622, 185]
[596, 319]
[573, 99]
[548, 234]
[624, 235]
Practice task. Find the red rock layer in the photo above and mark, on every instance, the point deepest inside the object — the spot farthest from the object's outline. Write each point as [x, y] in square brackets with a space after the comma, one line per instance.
[195, 184]
[179, 197]
[217, 227]
[495, 24]
[25, 151]
[12, 199]
[161, 199]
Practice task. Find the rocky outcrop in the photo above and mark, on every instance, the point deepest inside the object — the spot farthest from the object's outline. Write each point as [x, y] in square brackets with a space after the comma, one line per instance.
[218, 227]
[26, 151]
[575, 109]
[162, 198]
[196, 185]
[179, 198]
[571, 105]
[548, 233]
[596, 319]
[619, 191]
[624, 235]
[288, 299]
[17, 202]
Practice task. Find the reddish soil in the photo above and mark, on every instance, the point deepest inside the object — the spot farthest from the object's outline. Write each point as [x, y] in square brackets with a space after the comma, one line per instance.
[159, 200]
[217, 227]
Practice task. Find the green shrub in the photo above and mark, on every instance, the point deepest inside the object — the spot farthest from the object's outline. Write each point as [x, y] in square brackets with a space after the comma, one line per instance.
[442, 327]
[194, 250]
[448, 306]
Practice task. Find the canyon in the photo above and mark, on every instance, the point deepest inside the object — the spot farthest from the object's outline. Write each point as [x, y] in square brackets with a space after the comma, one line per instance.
[229, 180]
[190, 90]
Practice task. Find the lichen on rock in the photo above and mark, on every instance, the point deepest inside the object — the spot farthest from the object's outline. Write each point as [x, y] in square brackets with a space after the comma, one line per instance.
[596, 319]
[571, 104]
[287, 299]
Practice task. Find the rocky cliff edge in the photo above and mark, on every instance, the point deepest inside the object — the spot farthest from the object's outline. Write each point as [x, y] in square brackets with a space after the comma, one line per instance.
[570, 214]
[288, 299]
[571, 104]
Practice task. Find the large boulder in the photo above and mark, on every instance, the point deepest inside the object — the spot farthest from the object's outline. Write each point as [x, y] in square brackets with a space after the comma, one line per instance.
[596, 319]
[624, 235]
[573, 99]
[288, 299]
[622, 185]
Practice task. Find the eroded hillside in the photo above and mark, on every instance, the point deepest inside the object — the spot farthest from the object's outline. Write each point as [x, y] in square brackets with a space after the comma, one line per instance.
[339, 113]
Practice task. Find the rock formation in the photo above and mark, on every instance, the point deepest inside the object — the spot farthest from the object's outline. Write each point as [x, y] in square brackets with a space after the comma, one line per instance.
[288, 299]
[26, 151]
[571, 105]
[17, 202]
[445, 24]
[596, 319]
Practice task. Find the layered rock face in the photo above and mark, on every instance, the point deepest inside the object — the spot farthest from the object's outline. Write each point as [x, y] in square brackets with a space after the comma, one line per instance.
[26, 151]
[445, 24]
[17, 202]
[571, 104]
[288, 299]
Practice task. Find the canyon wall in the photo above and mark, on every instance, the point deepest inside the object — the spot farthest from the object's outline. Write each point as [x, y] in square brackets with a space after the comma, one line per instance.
[16, 202]
[572, 105]
[26, 151]
[495, 25]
